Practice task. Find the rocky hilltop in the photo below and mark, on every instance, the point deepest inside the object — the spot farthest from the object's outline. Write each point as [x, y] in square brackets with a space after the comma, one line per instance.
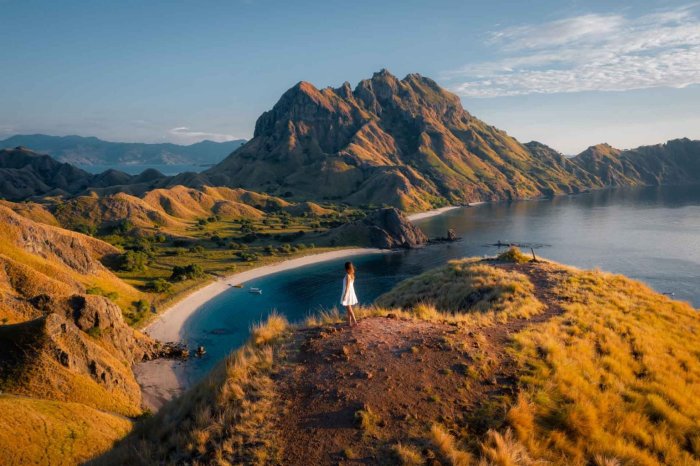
[676, 162]
[501, 361]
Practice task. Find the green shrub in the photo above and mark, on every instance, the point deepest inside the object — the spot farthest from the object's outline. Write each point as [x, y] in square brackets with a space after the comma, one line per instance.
[96, 290]
[132, 261]
[186, 272]
[513, 255]
[159, 286]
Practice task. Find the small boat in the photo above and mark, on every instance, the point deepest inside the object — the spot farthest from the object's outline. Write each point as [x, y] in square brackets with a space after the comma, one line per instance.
[255, 291]
[238, 286]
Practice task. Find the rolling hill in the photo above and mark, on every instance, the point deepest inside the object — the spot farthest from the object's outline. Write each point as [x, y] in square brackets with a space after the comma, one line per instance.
[25, 174]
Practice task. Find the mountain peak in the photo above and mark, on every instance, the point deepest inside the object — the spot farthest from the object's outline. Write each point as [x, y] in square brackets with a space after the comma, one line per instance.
[383, 73]
[602, 149]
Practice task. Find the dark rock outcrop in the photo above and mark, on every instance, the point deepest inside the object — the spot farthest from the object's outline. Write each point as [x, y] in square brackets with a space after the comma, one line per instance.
[91, 313]
[384, 228]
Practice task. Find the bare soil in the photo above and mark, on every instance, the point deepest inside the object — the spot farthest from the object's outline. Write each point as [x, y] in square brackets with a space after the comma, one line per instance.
[408, 374]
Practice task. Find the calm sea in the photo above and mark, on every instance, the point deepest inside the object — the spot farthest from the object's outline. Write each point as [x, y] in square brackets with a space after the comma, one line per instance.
[650, 234]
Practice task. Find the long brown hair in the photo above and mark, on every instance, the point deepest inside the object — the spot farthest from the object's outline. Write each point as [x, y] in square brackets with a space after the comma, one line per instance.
[350, 269]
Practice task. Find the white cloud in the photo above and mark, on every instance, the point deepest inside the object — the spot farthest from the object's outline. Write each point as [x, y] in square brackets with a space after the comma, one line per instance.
[185, 134]
[588, 52]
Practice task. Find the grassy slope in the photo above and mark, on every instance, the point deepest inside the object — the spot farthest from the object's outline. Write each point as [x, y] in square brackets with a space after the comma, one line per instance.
[52, 432]
[600, 370]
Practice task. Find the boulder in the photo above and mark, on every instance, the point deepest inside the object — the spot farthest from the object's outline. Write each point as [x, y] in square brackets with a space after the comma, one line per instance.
[384, 228]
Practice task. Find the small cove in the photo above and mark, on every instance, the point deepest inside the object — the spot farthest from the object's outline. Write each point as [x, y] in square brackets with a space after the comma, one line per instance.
[649, 234]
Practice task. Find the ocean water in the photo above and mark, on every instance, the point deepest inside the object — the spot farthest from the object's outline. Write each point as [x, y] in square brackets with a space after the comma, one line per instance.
[650, 234]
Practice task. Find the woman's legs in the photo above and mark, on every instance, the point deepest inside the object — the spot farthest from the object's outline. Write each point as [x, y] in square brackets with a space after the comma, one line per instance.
[351, 316]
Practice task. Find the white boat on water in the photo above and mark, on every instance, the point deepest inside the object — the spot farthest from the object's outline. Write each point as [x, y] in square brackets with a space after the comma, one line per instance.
[255, 291]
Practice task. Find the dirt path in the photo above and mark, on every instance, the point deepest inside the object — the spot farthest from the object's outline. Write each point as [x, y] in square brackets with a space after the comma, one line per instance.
[402, 376]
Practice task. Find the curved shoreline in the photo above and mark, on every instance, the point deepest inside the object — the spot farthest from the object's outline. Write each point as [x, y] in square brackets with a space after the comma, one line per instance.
[430, 213]
[169, 324]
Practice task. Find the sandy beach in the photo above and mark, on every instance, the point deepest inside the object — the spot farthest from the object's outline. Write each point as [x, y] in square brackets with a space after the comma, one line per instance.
[168, 326]
[430, 213]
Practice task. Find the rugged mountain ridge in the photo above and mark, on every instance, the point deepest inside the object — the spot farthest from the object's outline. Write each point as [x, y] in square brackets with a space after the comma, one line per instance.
[407, 143]
[87, 151]
[404, 143]
[675, 162]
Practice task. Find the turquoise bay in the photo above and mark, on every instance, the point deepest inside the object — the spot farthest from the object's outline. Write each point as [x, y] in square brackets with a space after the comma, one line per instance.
[648, 234]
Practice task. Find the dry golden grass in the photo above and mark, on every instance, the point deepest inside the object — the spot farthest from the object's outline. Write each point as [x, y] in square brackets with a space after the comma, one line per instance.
[513, 254]
[265, 333]
[34, 431]
[489, 294]
[368, 420]
[225, 419]
[408, 455]
[447, 446]
[614, 379]
[47, 379]
[51, 260]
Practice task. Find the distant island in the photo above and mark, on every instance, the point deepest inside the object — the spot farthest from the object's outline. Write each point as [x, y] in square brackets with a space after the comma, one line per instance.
[87, 152]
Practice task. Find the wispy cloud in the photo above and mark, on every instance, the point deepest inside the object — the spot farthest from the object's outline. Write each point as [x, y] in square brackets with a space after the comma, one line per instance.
[185, 134]
[588, 52]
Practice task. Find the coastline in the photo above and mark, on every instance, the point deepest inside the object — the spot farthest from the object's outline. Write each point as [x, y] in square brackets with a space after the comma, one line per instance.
[168, 325]
[430, 213]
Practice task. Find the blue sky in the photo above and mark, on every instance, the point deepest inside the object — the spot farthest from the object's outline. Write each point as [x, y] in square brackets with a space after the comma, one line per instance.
[567, 73]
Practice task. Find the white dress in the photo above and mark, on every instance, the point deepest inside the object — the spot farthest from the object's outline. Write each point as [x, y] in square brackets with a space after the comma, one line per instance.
[348, 285]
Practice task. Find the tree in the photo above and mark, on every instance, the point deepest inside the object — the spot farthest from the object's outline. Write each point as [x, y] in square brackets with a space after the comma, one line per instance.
[159, 286]
[132, 261]
[186, 272]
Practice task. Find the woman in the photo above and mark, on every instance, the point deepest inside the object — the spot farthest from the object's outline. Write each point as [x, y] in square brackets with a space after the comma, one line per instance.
[348, 298]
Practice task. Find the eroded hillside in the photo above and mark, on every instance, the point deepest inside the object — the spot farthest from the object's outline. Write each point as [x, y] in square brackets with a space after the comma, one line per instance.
[65, 368]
